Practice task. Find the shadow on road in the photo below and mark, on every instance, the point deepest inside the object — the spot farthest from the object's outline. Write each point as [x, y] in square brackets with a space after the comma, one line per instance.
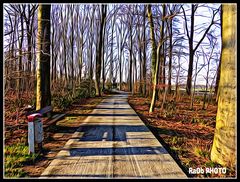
[108, 132]
[95, 114]
[117, 151]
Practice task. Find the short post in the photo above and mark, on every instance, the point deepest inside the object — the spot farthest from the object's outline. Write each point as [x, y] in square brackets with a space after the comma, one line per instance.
[31, 137]
[38, 128]
[35, 131]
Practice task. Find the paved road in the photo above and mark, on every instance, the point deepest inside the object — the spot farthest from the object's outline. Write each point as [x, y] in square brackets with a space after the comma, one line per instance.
[113, 142]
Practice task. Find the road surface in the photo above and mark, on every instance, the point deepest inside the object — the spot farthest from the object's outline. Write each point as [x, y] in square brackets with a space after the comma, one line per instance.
[113, 142]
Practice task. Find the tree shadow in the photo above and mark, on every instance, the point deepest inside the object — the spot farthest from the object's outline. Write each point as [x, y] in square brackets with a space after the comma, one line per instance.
[113, 103]
[108, 132]
[117, 151]
[96, 114]
[113, 133]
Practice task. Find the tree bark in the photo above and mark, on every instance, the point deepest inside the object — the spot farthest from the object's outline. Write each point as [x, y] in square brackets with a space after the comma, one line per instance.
[43, 57]
[224, 143]
[103, 60]
[72, 48]
[191, 53]
[144, 70]
[130, 59]
[170, 57]
[20, 67]
[219, 66]
[99, 52]
[152, 38]
[155, 81]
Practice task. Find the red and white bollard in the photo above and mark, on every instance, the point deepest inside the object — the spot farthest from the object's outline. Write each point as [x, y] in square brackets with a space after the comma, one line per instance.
[35, 131]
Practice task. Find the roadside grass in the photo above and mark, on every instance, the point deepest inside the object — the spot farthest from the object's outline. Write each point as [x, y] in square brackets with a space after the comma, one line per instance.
[201, 152]
[17, 156]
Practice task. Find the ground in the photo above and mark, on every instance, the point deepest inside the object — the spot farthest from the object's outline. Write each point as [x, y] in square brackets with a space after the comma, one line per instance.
[187, 134]
[55, 136]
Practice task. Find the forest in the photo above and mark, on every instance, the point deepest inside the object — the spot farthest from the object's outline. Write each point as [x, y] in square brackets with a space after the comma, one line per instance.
[176, 62]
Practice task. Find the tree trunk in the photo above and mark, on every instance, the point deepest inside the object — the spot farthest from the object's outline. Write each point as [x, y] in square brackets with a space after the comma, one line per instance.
[191, 54]
[99, 52]
[20, 66]
[177, 77]
[72, 48]
[219, 67]
[43, 57]
[13, 53]
[224, 143]
[170, 58]
[120, 67]
[190, 69]
[152, 38]
[194, 86]
[217, 79]
[65, 60]
[144, 69]
[161, 55]
[53, 54]
[103, 61]
[80, 59]
[130, 60]
[135, 75]
[159, 58]
[111, 60]
[91, 51]
[155, 81]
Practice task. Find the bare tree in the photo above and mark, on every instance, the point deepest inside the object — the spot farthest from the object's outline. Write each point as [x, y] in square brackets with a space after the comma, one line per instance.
[99, 50]
[190, 35]
[43, 57]
[159, 57]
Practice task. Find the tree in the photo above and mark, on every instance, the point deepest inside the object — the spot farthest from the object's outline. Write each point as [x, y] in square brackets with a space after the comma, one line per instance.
[208, 59]
[152, 38]
[195, 79]
[130, 25]
[224, 143]
[173, 10]
[103, 51]
[64, 36]
[144, 70]
[190, 35]
[121, 41]
[159, 58]
[20, 65]
[43, 97]
[12, 51]
[218, 69]
[29, 25]
[99, 51]
[112, 44]
[72, 48]
[82, 27]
